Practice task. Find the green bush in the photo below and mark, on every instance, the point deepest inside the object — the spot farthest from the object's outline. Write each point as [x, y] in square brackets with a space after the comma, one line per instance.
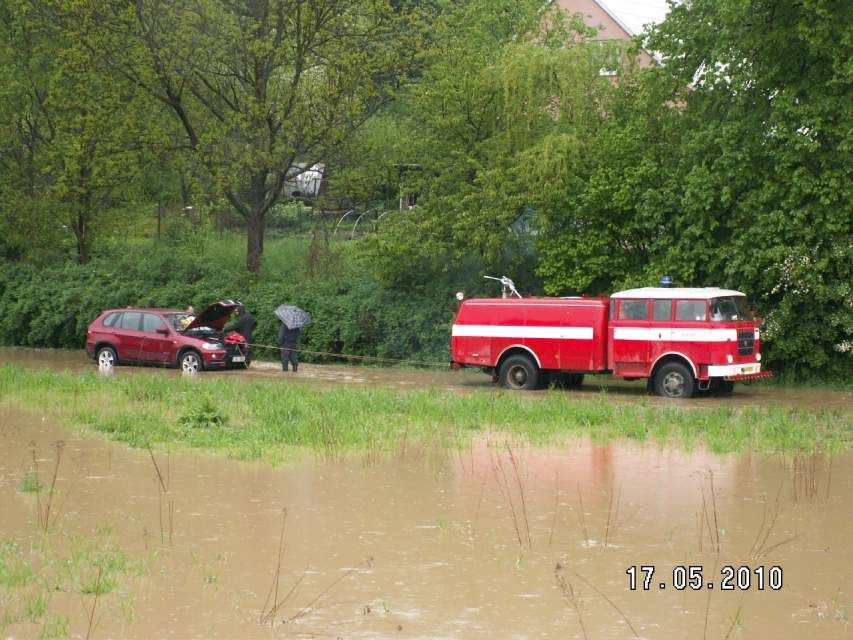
[353, 313]
[203, 413]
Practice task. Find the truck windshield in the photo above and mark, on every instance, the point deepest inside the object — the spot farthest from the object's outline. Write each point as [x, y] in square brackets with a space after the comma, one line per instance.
[730, 309]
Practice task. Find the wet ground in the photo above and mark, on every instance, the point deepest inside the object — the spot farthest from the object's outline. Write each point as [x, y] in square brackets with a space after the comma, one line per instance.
[427, 543]
[465, 381]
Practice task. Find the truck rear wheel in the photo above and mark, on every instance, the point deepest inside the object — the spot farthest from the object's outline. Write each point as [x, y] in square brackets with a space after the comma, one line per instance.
[519, 373]
[674, 380]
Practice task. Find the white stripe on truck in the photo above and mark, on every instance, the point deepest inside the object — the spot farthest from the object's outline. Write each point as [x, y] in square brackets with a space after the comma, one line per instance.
[674, 334]
[509, 331]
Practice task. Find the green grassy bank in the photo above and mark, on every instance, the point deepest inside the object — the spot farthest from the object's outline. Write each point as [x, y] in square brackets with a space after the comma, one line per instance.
[257, 419]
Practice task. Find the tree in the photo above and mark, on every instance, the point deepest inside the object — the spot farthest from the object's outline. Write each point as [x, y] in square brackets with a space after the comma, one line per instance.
[263, 89]
[499, 117]
[730, 165]
[73, 133]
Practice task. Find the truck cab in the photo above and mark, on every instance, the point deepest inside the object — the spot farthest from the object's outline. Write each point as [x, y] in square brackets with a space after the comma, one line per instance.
[683, 339]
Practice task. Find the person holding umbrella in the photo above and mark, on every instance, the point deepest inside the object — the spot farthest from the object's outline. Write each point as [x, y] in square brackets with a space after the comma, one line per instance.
[292, 320]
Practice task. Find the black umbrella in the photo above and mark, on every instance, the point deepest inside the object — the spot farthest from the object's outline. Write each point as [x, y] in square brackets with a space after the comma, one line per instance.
[292, 317]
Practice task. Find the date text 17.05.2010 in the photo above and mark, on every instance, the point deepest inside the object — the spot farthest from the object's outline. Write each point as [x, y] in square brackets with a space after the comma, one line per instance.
[691, 577]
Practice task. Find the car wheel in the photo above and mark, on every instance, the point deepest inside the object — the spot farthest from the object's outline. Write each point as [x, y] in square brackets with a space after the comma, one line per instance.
[519, 373]
[674, 380]
[191, 362]
[106, 357]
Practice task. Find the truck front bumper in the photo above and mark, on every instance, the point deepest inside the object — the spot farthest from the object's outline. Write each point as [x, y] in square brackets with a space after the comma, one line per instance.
[745, 371]
[728, 370]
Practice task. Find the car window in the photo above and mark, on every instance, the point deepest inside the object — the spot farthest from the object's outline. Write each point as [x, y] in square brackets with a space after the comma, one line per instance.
[634, 310]
[111, 319]
[690, 310]
[662, 310]
[130, 320]
[179, 321]
[151, 323]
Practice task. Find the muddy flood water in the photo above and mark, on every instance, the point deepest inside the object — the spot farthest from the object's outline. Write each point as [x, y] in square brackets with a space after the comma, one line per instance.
[495, 541]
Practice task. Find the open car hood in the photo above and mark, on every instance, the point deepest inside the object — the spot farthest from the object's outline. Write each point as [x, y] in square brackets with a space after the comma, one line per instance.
[214, 316]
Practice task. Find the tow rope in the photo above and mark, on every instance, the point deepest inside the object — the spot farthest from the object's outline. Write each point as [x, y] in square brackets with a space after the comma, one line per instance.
[350, 356]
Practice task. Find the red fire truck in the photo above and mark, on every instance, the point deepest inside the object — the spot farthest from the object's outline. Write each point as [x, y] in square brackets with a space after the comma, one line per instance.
[680, 339]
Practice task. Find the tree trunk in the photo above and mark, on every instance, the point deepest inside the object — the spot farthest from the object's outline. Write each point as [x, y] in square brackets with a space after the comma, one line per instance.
[254, 240]
[256, 222]
[81, 234]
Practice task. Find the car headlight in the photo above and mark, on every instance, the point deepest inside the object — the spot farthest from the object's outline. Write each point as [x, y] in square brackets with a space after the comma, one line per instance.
[730, 358]
[212, 346]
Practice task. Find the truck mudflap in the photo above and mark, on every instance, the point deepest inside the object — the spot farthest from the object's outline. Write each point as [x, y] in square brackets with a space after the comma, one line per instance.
[750, 376]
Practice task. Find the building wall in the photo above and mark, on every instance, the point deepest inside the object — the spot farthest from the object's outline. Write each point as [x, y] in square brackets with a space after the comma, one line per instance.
[608, 27]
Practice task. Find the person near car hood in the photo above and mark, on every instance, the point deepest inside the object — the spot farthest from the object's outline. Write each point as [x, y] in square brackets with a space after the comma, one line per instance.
[244, 324]
[183, 321]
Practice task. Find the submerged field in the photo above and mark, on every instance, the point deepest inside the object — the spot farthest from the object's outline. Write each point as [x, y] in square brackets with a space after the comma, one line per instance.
[403, 504]
[270, 419]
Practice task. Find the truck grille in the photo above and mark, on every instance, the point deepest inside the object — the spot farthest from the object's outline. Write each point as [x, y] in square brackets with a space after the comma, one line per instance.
[745, 342]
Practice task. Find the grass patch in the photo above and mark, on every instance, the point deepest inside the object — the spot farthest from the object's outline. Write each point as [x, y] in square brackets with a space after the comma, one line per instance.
[58, 566]
[271, 420]
[15, 570]
[30, 483]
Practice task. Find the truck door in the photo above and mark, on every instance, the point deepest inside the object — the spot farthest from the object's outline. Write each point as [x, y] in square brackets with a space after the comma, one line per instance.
[660, 329]
[630, 337]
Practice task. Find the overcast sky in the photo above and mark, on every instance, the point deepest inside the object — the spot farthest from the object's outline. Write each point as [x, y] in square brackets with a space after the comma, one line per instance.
[636, 13]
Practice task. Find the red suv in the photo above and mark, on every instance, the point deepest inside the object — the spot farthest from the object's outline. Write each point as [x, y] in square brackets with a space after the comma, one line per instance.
[166, 337]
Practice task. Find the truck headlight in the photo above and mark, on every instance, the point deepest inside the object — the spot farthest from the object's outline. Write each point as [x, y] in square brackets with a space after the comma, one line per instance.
[730, 358]
[758, 356]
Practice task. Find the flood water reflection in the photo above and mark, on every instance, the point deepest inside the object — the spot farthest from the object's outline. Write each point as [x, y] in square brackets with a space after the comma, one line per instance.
[431, 543]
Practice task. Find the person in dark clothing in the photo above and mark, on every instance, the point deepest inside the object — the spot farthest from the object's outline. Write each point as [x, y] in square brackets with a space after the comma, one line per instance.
[244, 324]
[288, 340]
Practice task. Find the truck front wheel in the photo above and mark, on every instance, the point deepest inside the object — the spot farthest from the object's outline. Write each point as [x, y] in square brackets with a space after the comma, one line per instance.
[519, 373]
[674, 380]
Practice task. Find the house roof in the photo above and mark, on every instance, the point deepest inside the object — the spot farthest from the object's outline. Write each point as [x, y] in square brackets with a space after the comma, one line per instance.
[619, 22]
[616, 18]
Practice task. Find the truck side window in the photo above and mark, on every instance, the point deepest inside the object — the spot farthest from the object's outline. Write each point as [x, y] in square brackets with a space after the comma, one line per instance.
[613, 309]
[633, 309]
[690, 310]
[662, 310]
